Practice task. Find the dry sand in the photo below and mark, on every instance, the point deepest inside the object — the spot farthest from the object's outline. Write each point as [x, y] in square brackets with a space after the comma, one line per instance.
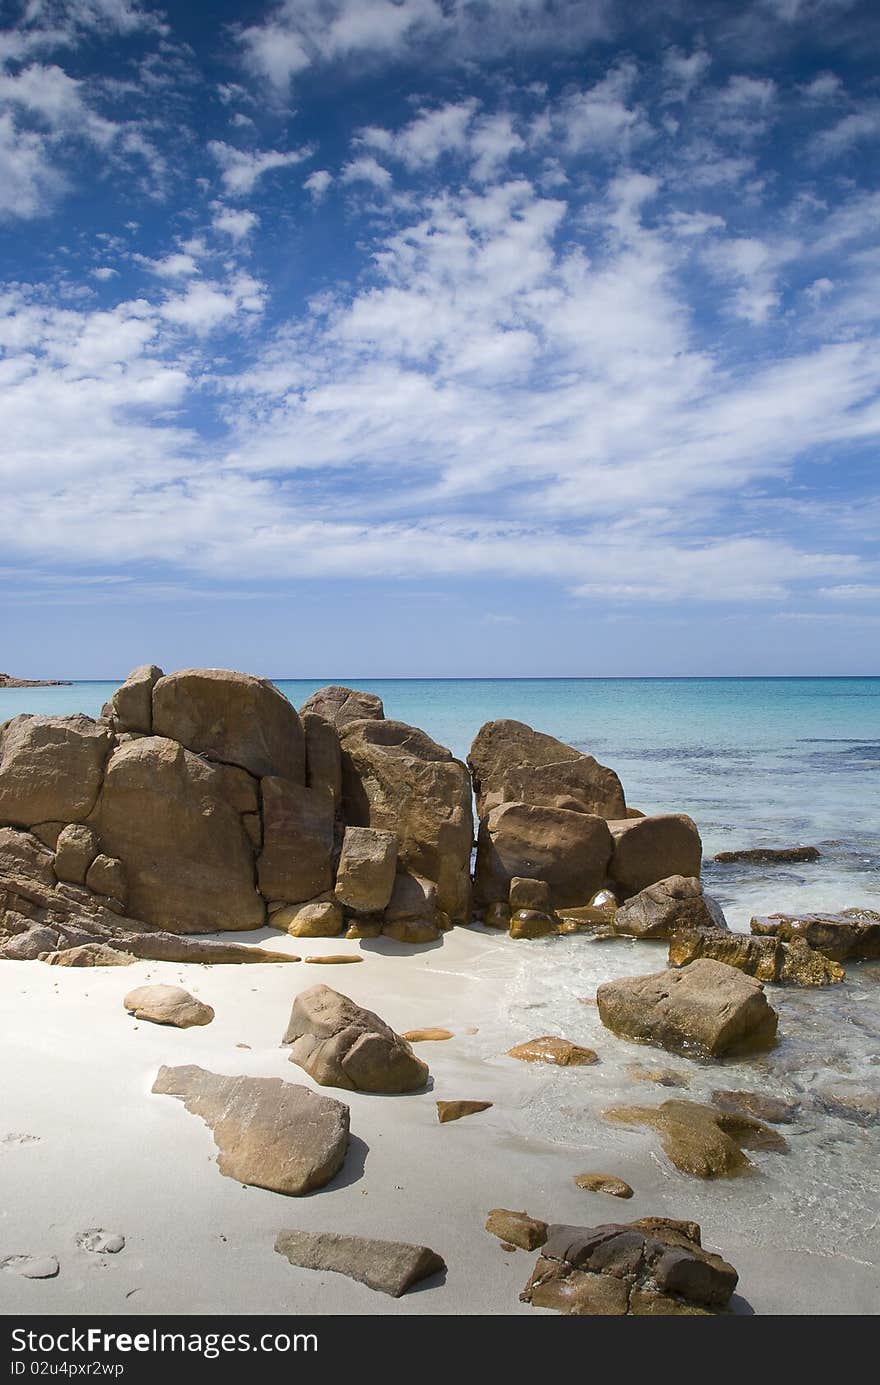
[77, 1072]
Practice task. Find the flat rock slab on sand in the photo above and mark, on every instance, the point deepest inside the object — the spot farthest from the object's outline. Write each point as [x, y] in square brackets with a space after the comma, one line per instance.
[340, 1044]
[653, 1266]
[391, 1267]
[454, 1110]
[549, 1049]
[702, 1140]
[167, 1005]
[707, 1008]
[271, 1134]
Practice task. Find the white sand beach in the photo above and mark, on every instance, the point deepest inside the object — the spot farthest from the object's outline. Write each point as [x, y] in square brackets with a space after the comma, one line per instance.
[103, 1152]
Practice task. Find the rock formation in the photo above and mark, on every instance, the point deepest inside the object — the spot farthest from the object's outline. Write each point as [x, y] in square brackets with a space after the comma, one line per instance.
[667, 907]
[707, 1008]
[853, 935]
[767, 958]
[511, 763]
[340, 1044]
[648, 1267]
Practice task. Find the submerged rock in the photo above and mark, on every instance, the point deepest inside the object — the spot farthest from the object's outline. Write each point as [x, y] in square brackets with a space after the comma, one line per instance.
[603, 1183]
[646, 1267]
[270, 1133]
[550, 1049]
[516, 1228]
[701, 1140]
[391, 1267]
[340, 1044]
[770, 854]
[707, 1007]
[774, 1109]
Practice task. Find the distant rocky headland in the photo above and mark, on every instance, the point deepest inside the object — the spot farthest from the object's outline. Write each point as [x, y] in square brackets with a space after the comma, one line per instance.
[7, 681]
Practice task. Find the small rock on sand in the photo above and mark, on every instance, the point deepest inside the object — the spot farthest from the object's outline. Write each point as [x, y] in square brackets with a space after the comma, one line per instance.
[167, 1005]
[101, 1242]
[334, 959]
[603, 1183]
[516, 1228]
[391, 1267]
[454, 1110]
[423, 1036]
[550, 1049]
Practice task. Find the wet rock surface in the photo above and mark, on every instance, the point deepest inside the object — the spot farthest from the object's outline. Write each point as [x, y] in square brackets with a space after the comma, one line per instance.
[702, 1140]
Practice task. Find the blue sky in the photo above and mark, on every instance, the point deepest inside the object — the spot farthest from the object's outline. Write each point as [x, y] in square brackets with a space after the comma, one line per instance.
[440, 337]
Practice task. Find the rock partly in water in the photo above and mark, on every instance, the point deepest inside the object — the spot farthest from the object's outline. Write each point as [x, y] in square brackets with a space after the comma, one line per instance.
[532, 923]
[646, 1267]
[516, 1228]
[770, 855]
[340, 1044]
[512, 763]
[650, 849]
[701, 1140]
[665, 908]
[391, 1267]
[454, 1110]
[706, 1008]
[603, 1183]
[270, 1134]
[768, 959]
[853, 935]
[550, 1049]
[167, 1005]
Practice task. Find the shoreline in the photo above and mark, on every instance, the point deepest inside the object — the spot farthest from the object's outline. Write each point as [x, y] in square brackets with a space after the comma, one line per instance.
[198, 1242]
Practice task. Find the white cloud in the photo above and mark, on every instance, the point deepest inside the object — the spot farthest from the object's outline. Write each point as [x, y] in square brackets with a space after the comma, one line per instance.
[105, 273]
[366, 169]
[235, 222]
[317, 183]
[599, 120]
[206, 305]
[177, 265]
[29, 179]
[851, 130]
[240, 170]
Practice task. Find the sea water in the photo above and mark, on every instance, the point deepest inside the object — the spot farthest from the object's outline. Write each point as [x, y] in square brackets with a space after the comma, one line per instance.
[756, 762]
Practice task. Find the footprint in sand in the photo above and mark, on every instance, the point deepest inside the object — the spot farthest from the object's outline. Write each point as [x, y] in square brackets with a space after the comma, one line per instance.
[15, 1138]
[100, 1242]
[30, 1266]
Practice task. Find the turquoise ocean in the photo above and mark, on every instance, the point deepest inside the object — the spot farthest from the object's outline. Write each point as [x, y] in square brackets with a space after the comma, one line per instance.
[755, 762]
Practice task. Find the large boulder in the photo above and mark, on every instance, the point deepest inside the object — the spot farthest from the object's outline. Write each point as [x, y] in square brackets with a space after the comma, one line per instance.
[270, 1134]
[296, 862]
[707, 1008]
[50, 768]
[390, 1267]
[851, 935]
[365, 874]
[131, 706]
[649, 849]
[188, 859]
[394, 777]
[569, 851]
[339, 705]
[511, 763]
[667, 907]
[323, 756]
[340, 1044]
[653, 1266]
[232, 717]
